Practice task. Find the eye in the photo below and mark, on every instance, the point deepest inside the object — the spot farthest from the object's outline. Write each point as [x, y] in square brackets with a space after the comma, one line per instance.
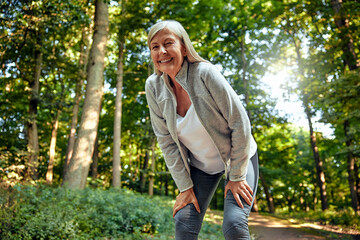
[169, 43]
[154, 47]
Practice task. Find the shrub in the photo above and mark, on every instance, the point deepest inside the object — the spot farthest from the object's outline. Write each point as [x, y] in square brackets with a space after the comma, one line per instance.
[29, 212]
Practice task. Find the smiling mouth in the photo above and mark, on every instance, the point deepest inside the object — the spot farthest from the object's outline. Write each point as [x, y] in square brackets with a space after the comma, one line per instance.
[166, 60]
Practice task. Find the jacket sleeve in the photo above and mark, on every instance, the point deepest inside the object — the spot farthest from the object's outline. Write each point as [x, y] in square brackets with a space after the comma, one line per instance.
[230, 106]
[167, 144]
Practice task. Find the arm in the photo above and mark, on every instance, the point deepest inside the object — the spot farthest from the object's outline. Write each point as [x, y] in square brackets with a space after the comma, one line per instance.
[234, 113]
[167, 144]
[171, 154]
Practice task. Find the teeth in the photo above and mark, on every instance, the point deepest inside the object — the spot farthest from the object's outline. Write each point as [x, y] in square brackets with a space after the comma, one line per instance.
[166, 60]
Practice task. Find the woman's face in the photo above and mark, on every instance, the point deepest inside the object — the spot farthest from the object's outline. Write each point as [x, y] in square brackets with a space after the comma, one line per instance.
[167, 52]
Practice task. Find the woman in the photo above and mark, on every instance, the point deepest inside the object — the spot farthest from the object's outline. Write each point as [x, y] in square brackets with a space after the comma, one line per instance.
[203, 132]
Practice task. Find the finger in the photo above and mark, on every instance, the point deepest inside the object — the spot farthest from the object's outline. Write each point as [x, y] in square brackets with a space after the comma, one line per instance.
[226, 190]
[197, 207]
[177, 208]
[247, 196]
[250, 190]
[196, 203]
[237, 198]
[247, 199]
[250, 199]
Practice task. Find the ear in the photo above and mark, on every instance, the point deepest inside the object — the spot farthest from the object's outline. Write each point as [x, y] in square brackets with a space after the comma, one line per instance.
[184, 51]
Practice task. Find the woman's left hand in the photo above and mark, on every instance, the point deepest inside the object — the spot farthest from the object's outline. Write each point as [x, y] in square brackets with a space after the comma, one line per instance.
[240, 188]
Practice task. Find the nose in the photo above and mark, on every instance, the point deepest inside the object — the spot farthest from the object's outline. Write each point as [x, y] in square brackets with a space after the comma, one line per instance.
[162, 50]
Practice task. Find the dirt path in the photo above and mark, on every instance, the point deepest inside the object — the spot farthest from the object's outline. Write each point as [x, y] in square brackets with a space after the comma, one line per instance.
[271, 228]
[267, 227]
[264, 227]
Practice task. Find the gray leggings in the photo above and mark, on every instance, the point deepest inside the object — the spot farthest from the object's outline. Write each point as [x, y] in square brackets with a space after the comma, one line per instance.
[235, 224]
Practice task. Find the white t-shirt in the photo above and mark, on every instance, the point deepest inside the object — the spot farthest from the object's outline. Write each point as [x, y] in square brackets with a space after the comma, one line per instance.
[195, 137]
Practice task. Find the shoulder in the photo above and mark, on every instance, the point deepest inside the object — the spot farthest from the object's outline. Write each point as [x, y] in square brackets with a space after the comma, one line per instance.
[206, 71]
[152, 81]
[204, 68]
[153, 78]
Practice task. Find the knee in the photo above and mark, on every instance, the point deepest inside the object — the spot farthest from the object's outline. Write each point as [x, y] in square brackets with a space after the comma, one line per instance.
[236, 228]
[184, 230]
[187, 222]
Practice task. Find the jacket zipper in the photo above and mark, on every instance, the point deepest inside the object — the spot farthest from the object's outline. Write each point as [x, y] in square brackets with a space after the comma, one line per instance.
[177, 138]
[225, 166]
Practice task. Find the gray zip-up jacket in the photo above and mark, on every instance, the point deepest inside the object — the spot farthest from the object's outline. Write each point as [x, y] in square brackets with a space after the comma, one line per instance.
[220, 111]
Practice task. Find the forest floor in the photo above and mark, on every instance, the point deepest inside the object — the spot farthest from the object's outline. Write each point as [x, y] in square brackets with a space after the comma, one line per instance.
[265, 227]
[268, 227]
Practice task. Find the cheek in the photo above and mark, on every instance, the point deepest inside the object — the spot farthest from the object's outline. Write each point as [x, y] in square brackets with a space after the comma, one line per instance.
[152, 56]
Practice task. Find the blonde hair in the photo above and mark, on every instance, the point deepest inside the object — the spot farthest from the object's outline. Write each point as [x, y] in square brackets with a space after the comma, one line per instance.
[176, 28]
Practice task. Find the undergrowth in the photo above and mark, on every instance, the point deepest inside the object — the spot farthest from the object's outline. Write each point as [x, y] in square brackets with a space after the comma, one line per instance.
[42, 212]
[29, 212]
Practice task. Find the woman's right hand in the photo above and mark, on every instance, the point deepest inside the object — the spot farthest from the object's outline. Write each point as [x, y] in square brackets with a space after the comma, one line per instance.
[185, 198]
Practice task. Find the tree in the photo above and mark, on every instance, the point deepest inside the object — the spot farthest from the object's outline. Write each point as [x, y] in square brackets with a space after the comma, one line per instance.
[351, 62]
[33, 139]
[55, 127]
[116, 182]
[296, 27]
[342, 23]
[84, 55]
[84, 145]
[153, 165]
[339, 35]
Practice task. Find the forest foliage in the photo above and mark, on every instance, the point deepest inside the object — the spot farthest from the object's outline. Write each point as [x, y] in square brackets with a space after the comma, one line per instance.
[44, 51]
[58, 213]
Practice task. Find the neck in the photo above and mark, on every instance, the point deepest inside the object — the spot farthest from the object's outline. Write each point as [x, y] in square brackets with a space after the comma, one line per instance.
[174, 84]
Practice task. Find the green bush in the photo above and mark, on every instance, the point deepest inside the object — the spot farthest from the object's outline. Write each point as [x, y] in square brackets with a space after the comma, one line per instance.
[58, 213]
[331, 216]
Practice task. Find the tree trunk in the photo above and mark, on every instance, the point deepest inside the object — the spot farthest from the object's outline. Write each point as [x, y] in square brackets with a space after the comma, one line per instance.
[33, 139]
[49, 173]
[315, 199]
[143, 175]
[116, 173]
[84, 55]
[131, 176]
[350, 167]
[357, 181]
[55, 127]
[347, 43]
[320, 176]
[290, 200]
[350, 60]
[166, 184]
[78, 170]
[166, 176]
[152, 173]
[137, 166]
[245, 82]
[269, 198]
[95, 159]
